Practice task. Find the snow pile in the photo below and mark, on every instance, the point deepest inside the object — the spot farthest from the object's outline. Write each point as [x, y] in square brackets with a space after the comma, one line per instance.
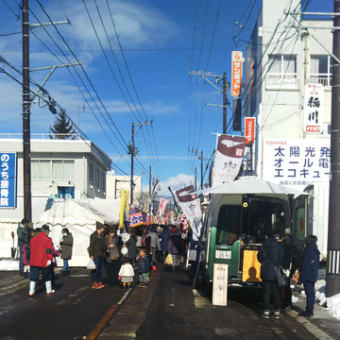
[320, 295]
[333, 305]
[9, 264]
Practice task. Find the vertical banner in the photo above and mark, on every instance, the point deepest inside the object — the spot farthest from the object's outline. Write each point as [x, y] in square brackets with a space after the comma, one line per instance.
[162, 206]
[236, 73]
[191, 207]
[313, 109]
[228, 158]
[8, 180]
[249, 129]
[123, 204]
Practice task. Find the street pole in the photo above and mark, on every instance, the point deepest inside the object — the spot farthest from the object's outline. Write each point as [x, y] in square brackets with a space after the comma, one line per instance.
[225, 103]
[150, 192]
[132, 152]
[201, 158]
[333, 255]
[195, 179]
[26, 103]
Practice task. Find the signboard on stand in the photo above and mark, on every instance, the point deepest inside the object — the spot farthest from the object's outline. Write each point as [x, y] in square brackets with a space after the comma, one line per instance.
[220, 284]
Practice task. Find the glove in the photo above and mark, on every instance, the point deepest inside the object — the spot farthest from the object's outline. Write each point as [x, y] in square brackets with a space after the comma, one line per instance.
[48, 263]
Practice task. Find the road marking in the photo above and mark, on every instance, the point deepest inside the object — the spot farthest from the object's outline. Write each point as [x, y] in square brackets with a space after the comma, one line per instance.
[200, 302]
[317, 332]
[106, 317]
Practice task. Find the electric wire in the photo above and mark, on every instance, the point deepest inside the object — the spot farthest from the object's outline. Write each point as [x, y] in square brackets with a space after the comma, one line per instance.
[131, 80]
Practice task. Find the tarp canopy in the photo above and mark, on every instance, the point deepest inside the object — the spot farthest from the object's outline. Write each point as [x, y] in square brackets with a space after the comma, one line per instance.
[69, 212]
[252, 185]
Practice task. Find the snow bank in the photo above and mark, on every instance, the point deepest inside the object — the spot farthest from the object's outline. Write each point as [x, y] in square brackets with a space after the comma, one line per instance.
[9, 264]
[333, 305]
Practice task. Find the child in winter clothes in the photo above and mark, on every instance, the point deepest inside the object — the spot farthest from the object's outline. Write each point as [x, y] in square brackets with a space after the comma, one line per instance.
[144, 267]
[126, 273]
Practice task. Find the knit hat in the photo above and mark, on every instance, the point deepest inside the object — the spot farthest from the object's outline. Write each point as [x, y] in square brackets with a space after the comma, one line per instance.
[99, 225]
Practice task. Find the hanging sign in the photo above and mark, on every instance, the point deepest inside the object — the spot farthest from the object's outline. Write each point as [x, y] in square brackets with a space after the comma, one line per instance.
[137, 219]
[228, 158]
[313, 108]
[236, 73]
[8, 180]
[249, 129]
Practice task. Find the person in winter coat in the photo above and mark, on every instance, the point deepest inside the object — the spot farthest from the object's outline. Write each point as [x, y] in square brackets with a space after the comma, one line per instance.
[132, 248]
[41, 258]
[126, 273]
[143, 268]
[112, 257]
[152, 244]
[175, 247]
[66, 245]
[270, 255]
[164, 243]
[23, 233]
[309, 273]
[97, 253]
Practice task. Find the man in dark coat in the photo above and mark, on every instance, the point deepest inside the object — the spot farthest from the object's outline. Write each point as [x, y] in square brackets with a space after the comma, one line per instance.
[270, 255]
[309, 272]
[66, 245]
[24, 235]
[97, 253]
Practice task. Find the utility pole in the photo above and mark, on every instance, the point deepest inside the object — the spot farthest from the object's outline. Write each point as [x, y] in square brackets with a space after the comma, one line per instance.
[195, 178]
[132, 150]
[333, 255]
[150, 192]
[225, 103]
[201, 159]
[223, 91]
[26, 103]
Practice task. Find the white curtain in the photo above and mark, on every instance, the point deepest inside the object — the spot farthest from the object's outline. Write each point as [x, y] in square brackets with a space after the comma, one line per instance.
[289, 64]
[45, 170]
[275, 63]
[57, 169]
[68, 169]
[314, 64]
[35, 169]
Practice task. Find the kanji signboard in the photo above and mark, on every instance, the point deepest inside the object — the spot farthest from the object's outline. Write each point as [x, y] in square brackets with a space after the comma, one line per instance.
[137, 219]
[297, 162]
[313, 108]
[236, 73]
[7, 180]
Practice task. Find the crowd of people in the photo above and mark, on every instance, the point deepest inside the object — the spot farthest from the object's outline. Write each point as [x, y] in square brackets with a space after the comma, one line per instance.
[116, 254]
[302, 264]
[37, 255]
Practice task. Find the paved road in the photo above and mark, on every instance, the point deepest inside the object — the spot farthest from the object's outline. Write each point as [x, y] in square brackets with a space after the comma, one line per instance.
[69, 314]
[178, 312]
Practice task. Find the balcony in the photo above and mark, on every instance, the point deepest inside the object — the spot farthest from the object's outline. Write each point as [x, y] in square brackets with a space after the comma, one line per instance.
[321, 78]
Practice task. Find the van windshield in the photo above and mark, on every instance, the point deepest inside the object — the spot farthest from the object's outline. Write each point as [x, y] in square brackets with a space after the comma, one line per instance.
[262, 216]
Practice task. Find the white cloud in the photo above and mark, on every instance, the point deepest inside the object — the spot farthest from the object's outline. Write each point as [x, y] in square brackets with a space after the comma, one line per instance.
[175, 183]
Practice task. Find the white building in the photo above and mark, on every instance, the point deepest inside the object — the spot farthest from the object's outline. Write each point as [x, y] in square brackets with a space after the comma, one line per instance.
[283, 55]
[60, 169]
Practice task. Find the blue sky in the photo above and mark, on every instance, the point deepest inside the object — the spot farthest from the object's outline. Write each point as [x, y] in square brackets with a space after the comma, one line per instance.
[161, 41]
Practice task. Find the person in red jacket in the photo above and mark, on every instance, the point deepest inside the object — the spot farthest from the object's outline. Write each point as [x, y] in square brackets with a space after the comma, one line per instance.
[41, 259]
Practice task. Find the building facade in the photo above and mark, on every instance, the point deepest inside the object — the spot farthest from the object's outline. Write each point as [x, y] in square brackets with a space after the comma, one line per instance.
[59, 169]
[287, 53]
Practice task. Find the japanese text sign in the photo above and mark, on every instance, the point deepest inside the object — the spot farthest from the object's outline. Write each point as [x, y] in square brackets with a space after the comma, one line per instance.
[236, 73]
[137, 219]
[313, 108]
[7, 180]
[249, 129]
[297, 162]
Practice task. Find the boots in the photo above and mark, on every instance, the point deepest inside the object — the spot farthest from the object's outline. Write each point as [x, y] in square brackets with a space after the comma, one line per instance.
[49, 289]
[32, 288]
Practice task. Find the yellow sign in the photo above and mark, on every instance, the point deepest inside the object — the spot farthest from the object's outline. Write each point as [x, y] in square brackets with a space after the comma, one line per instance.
[251, 266]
